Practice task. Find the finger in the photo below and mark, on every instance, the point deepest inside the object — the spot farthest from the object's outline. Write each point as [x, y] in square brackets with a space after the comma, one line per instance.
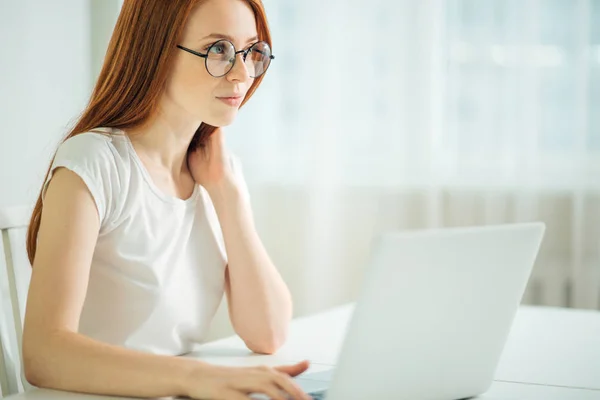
[217, 137]
[217, 143]
[291, 387]
[272, 391]
[295, 369]
[233, 395]
[262, 380]
[219, 132]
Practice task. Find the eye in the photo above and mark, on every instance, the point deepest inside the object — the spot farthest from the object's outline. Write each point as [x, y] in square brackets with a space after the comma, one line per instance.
[217, 49]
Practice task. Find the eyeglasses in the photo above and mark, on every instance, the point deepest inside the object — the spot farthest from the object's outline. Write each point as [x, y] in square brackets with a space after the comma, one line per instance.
[221, 56]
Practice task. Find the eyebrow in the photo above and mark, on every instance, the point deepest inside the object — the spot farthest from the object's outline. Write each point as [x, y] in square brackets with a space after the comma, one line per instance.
[225, 36]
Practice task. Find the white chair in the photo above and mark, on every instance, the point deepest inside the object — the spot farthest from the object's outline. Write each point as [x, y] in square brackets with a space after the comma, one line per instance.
[15, 273]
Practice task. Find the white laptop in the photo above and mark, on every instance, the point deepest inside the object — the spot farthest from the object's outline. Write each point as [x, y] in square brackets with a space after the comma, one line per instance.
[434, 314]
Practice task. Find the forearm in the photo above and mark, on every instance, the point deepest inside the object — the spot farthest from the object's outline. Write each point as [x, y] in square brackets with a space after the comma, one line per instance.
[73, 362]
[260, 302]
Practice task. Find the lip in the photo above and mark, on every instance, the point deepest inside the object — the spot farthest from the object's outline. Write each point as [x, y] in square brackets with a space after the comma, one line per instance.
[233, 101]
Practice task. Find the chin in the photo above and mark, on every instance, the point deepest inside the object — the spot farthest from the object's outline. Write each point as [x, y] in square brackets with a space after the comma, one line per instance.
[221, 120]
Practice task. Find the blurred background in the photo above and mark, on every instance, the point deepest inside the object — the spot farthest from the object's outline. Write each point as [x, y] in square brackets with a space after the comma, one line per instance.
[378, 115]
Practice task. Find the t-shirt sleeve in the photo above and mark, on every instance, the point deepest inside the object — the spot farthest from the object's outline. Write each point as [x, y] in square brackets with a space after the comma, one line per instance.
[89, 156]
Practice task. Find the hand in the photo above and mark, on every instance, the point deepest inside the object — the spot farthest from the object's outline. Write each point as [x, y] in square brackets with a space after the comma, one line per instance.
[237, 383]
[210, 165]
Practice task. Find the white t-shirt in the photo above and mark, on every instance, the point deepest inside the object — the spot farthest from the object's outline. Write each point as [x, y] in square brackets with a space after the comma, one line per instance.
[157, 273]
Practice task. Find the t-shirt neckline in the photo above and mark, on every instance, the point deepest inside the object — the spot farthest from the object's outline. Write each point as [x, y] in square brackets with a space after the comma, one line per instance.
[149, 181]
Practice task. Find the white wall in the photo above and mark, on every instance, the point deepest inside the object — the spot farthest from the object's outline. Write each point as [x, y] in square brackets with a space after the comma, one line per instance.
[49, 56]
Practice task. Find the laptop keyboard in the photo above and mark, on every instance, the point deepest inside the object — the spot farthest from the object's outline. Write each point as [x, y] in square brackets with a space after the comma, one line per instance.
[318, 395]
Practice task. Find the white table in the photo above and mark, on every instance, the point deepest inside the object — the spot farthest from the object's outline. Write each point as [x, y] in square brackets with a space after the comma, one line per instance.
[551, 354]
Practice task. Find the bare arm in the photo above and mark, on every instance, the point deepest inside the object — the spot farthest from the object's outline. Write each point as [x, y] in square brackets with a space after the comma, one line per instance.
[260, 304]
[55, 355]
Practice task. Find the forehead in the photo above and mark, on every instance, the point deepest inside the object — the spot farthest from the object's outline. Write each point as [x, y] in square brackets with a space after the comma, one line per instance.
[230, 17]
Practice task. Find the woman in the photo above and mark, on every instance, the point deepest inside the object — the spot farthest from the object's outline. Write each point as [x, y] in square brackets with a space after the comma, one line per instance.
[144, 221]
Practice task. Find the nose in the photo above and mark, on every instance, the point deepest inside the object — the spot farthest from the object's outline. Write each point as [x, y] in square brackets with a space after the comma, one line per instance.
[239, 72]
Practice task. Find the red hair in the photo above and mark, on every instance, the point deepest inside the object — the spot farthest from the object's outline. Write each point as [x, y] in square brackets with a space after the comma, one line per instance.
[126, 96]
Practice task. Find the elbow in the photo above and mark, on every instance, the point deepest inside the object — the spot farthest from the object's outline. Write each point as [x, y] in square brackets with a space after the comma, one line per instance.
[268, 343]
[31, 373]
[35, 362]
[32, 368]
[263, 348]
[269, 338]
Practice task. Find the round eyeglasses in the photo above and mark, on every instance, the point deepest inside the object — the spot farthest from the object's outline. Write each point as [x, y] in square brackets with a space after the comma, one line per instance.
[221, 57]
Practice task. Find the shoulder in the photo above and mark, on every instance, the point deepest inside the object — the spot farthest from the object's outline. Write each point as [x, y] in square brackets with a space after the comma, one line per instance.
[92, 146]
[100, 159]
[101, 152]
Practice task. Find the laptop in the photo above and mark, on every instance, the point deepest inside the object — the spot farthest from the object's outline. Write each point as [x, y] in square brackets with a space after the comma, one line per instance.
[434, 314]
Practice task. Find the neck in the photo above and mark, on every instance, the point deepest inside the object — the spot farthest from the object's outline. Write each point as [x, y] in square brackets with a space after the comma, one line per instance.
[164, 142]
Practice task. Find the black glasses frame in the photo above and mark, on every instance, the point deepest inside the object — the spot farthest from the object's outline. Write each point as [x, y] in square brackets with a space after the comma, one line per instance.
[243, 52]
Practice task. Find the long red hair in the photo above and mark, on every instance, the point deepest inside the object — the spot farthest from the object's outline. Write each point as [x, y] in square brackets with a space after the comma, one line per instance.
[135, 70]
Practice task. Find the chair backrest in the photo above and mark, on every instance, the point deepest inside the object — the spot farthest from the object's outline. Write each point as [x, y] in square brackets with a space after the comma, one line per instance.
[15, 273]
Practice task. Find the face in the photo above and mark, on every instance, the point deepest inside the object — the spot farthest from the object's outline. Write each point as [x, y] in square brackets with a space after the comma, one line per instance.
[191, 89]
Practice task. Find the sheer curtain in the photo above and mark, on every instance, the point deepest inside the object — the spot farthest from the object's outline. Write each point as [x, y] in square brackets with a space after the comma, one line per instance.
[409, 114]
[413, 114]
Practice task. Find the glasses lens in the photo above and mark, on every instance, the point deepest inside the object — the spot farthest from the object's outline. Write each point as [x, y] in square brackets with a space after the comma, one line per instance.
[258, 59]
[220, 58]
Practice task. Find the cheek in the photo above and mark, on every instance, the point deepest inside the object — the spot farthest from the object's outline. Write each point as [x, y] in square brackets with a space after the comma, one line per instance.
[190, 85]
